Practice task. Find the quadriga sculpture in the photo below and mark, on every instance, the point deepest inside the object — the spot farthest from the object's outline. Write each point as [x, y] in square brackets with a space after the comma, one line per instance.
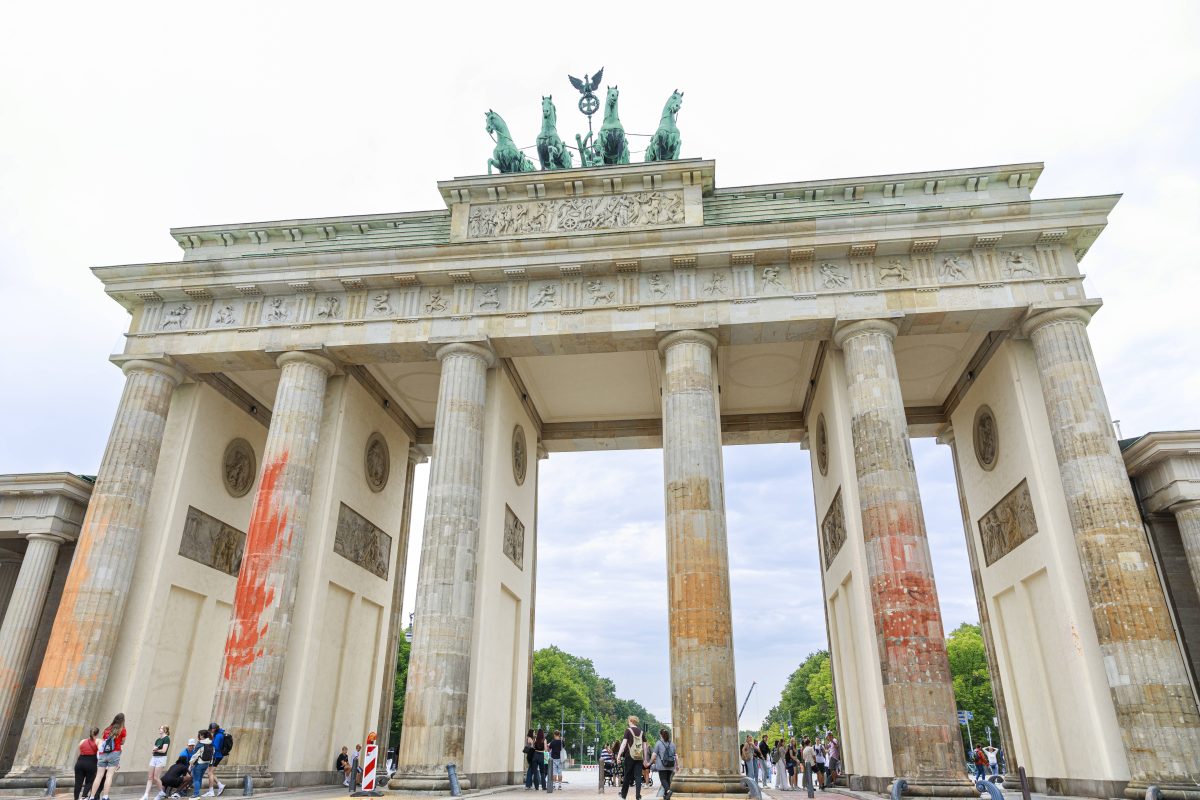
[613, 146]
[550, 148]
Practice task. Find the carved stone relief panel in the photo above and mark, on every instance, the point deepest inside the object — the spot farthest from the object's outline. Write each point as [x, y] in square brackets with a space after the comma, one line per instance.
[822, 445]
[833, 529]
[610, 212]
[514, 538]
[209, 541]
[377, 462]
[359, 540]
[520, 455]
[986, 438]
[1008, 524]
[238, 467]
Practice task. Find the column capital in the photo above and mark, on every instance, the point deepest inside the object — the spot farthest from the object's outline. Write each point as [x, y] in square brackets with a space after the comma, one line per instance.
[687, 336]
[304, 357]
[416, 455]
[480, 351]
[946, 436]
[45, 536]
[161, 366]
[848, 330]
[1186, 505]
[1040, 318]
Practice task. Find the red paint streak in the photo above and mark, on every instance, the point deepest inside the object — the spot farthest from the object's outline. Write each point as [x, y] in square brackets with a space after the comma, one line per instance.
[264, 543]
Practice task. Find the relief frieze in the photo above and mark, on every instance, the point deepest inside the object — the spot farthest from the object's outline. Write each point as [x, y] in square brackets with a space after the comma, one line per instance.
[574, 214]
[514, 538]
[359, 540]
[1009, 523]
[833, 529]
[209, 541]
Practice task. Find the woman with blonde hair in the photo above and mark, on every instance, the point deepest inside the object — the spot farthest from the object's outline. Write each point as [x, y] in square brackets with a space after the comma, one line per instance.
[158, 760]
[109, 759]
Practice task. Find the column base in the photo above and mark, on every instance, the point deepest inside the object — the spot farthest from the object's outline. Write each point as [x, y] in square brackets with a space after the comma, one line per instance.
[231, 774]
[426, 782]
[709, 785]
[1170, 790]
[940, 787]
[36, 777]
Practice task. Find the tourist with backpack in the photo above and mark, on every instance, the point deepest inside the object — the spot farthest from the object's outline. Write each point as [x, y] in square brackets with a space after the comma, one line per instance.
[631, 753]
[666, 761]
[108, 760]
[200, 760]
[158, 760]
[222, 742]
[85, 764]
[176, 776]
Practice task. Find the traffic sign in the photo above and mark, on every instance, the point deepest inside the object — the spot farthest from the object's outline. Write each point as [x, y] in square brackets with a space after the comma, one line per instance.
[965, 716]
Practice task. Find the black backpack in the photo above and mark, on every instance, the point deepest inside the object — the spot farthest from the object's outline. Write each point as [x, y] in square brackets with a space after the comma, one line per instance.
[110, 742]
[226, 744]
[206, 753]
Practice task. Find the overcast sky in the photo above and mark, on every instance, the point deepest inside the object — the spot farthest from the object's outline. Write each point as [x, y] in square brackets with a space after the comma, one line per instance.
[120, 120]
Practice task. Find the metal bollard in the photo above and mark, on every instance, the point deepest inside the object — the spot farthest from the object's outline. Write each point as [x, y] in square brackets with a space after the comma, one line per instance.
[1024, 783]
[1153, 793]
[452, 774]
[51, 786]
[247, 786]
[993, 791]
[752, 787]
[898, 788]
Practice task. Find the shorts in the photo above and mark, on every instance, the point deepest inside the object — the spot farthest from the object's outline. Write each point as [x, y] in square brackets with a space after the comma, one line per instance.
[158, 762]
[216, 762]
[556, 767]
[109, 760]
[833, 765]
[819, 769]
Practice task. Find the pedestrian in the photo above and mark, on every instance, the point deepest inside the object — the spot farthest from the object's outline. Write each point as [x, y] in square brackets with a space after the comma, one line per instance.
[158, 760]
[108, 761]
[980, 763]
[539, 759]
[809, 757]
[777, 758]
[528, 751]
[833, 757]
[819, 767]
[200, 760]
[85, 764]
[764, 760]
[647, 765]
[342, 764]
[791, 760]
[633, 750]
[222, 745]
[177, 774]
[748, 751]
[355, 766]
[666, 761]
[993, 763]
[556, 758]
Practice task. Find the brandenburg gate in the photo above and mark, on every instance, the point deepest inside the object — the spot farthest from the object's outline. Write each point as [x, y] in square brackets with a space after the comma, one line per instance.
[242, 557]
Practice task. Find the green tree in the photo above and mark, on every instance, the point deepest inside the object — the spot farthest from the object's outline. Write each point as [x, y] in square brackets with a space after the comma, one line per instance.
[807, 698]
[401, 684]
[972, 681]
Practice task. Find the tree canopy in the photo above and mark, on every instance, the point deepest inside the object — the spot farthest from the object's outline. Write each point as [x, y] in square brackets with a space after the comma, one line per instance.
[972, 682]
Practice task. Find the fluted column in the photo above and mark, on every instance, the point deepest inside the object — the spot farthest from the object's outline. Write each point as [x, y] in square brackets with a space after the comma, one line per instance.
[84, 637]
[1151, 693]
[21, 619]
[247, 699]
[1187, 518]
[917, 688]
[10, 567]
[387, 697]
[439, 666]
[703, 687]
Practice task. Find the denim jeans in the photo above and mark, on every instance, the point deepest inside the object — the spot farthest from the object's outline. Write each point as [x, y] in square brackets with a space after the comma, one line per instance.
[533, 775]
[198, 771]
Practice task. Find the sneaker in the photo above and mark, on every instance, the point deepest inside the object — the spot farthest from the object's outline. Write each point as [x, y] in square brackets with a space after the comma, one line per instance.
[347, 783]
[209, 793]
[220, 788]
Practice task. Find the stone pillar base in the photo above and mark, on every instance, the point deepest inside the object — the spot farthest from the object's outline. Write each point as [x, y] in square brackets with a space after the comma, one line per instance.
[426, 782]
[709, 785]
[939, 787]
[35, 778]
[233, 775]
[1171, 791]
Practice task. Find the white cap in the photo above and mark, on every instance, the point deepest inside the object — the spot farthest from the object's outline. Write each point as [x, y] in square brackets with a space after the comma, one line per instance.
[191, 741]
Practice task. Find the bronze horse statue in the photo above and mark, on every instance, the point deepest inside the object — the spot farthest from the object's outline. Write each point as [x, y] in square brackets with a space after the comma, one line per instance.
[506, 157]
[550, 148]
[613, 146]
[664, 144]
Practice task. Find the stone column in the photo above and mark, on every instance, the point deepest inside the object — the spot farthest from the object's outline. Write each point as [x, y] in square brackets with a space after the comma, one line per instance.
[82, 642]
[926, 745]
[703, 688]
[247, 699]
[1151, 693]
[439, 665]
[21, 619]
[1187, 518]
[387, 697]
[10, 567]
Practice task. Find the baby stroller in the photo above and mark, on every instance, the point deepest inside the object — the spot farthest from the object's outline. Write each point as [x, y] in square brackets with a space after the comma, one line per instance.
[611, 774]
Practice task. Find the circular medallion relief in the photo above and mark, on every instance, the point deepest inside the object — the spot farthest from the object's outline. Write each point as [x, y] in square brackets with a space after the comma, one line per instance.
[986, 438]
[377, 462]
[520, 455]
[238, 467]
[822, 445]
